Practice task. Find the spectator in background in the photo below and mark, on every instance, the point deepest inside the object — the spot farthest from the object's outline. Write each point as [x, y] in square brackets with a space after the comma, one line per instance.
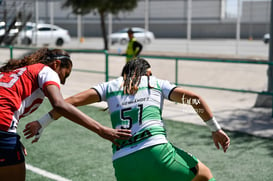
[133, 48]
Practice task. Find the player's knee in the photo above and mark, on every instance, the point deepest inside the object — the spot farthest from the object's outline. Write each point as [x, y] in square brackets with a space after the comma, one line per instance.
[203, 173]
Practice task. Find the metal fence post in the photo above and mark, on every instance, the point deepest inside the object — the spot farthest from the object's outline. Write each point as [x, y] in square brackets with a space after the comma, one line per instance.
[106, 65]
[176, 71]
[11, 51]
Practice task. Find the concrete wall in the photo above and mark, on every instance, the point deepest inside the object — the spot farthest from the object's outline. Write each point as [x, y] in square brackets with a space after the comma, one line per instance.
[200, 31]
[168, 19]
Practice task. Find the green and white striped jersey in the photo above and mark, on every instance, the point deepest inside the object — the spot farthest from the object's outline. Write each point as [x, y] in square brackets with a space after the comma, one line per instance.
[140, 112]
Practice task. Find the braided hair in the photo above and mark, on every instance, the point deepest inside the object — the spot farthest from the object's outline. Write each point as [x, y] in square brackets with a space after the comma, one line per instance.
[44, 56]
[132, 72]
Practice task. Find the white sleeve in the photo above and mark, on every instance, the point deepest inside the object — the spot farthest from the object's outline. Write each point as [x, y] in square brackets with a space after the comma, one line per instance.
[102, 90]
[166, 88]
[48, 76]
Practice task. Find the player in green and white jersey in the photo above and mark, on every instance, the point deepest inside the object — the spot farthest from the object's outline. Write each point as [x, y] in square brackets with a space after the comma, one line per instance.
[135, 102]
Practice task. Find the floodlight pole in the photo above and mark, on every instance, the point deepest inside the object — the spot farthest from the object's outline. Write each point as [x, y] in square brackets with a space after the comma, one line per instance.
[36, 22]
[79, 27]
[51, 15]
[238, 26]
[189, 16]
[270, 67]
[146, 18]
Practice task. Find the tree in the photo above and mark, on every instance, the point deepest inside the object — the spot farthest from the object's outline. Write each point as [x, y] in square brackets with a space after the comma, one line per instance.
[103, 7]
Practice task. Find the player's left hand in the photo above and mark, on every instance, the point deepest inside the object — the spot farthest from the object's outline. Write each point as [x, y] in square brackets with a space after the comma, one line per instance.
[32, 129]
[220, 137]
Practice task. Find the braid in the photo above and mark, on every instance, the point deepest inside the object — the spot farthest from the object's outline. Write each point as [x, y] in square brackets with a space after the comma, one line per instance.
[44, 56]
[132, 73]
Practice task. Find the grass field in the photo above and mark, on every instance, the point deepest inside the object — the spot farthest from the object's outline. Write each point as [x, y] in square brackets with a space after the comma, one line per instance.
[73, 152]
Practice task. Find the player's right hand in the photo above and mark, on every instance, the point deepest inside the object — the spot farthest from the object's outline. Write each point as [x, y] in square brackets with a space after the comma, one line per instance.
[115, 134]
[33, 129]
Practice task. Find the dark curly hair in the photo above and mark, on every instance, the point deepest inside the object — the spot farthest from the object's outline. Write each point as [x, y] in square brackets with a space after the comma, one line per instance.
[44, 56]
[132, 72]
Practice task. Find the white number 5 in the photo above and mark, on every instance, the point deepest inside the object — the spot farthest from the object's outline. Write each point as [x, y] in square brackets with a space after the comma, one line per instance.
[13, 78]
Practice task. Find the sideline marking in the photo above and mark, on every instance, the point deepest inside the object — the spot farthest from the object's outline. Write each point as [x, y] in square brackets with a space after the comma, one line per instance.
[45, 173]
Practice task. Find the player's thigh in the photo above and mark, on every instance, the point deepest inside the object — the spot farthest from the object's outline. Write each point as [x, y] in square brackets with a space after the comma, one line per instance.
[12, 158]
[135, 166]
[178, 164]
[13, 172]
[161, 162]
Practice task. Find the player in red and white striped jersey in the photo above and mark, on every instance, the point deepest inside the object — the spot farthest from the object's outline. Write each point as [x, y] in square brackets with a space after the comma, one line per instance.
[24, 84]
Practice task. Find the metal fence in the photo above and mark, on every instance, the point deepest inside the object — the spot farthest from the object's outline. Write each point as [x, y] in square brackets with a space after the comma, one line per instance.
[175, 61]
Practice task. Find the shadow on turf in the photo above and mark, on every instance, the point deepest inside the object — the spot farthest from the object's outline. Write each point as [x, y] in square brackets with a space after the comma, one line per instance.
[248, 125]
[254, 121]
[248, 142]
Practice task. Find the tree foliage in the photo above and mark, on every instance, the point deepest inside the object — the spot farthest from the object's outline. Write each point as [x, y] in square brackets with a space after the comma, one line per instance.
[102, 7]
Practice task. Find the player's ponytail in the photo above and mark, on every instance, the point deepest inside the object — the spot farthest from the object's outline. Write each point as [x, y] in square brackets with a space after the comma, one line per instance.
[132, 72]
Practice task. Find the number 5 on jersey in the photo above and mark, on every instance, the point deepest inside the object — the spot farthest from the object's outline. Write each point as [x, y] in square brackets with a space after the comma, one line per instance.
[9, 82]
[130, 116]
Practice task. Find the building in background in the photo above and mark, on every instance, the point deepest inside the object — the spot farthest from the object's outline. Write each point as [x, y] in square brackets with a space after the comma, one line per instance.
[166, 18]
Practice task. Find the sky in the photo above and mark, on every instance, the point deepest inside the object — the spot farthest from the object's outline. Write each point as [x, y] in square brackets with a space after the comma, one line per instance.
[232, 6]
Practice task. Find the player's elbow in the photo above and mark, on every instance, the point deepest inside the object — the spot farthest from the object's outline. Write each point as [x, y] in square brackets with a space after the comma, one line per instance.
[59, 105]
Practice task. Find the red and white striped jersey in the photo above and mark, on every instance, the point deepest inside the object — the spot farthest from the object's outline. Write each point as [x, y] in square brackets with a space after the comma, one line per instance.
[22, 92]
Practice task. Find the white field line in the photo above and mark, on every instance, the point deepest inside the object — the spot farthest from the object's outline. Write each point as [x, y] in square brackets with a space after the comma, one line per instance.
[45, 173]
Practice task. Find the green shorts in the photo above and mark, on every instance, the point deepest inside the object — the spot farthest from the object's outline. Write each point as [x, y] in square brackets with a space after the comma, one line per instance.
[156, 163]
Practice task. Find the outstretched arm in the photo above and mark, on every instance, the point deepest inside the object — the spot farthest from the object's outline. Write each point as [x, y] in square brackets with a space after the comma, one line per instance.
[66, 109]
[86, 97]
[201, 107]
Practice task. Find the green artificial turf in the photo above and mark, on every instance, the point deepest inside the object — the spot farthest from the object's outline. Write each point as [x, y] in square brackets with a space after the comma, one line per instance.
[73, 152]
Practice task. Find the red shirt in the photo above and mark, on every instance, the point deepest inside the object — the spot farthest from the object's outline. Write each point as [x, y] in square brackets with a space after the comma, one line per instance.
[22, 92]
